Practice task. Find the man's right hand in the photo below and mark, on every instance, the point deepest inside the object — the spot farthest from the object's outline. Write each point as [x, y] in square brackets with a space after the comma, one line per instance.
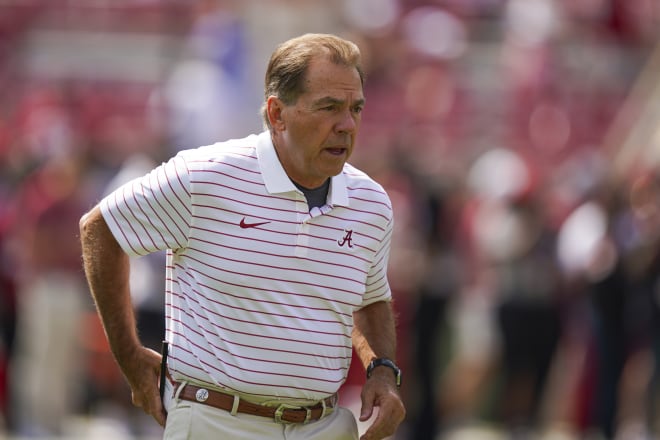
[107, 268]
[143, 373]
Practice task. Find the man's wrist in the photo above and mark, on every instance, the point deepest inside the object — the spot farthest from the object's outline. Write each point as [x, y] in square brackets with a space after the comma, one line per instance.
[387, 364]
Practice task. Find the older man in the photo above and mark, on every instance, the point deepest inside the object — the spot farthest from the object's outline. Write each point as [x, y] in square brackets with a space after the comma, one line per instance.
[277, 254]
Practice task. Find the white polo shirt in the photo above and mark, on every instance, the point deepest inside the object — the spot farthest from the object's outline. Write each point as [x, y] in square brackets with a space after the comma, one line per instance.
[260, 291]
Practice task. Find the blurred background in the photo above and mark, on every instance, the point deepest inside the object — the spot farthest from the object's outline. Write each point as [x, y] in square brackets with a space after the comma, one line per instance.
[519, 141]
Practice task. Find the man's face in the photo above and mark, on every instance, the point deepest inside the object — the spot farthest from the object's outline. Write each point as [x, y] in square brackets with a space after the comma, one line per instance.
[315, 135]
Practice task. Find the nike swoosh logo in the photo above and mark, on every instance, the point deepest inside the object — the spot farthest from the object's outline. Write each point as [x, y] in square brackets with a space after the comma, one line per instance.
[244, 225]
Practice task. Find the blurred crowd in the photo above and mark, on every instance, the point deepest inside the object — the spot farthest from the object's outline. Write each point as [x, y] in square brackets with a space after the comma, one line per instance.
[518, 141]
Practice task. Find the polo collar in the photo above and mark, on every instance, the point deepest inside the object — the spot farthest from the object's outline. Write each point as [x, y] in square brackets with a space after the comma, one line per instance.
[277, 181]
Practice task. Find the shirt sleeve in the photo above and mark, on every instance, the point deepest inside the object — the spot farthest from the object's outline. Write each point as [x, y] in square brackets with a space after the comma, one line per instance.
[377, 285]
[153, 212]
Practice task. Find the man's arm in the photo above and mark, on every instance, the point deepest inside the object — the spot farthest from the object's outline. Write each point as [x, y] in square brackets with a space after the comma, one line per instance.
[107, 270]
[374, 336]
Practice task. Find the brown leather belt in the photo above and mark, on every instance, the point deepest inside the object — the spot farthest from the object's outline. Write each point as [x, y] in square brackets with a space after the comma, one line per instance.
[283, 413]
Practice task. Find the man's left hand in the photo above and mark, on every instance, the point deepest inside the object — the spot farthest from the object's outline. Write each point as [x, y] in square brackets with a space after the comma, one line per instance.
[381, 391]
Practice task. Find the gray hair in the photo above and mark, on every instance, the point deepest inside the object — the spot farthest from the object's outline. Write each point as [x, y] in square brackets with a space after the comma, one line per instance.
[288, 64]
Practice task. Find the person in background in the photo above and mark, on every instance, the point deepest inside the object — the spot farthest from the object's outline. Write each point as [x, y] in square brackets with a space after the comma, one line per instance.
[51, 299]
[277, 252]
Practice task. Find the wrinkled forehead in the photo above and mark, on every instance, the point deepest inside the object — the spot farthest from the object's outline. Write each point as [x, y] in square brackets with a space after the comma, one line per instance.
[324, 76]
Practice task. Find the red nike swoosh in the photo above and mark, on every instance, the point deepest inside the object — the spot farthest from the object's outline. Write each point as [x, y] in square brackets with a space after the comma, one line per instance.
[244, 225]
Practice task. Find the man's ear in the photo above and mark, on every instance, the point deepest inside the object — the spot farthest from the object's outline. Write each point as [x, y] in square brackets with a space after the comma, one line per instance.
[275, 109]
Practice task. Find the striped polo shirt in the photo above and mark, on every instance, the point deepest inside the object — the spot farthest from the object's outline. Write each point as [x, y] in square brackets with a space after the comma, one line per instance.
[260, 290]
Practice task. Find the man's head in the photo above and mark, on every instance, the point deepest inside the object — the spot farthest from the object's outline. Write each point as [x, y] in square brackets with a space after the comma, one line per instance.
[288, 64]
[313, 101]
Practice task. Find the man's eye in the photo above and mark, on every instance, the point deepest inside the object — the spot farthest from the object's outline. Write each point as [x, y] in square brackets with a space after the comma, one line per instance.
[358, 109]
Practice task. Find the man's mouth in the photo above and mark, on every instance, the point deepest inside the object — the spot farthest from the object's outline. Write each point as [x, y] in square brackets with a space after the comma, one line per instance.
[336, 151]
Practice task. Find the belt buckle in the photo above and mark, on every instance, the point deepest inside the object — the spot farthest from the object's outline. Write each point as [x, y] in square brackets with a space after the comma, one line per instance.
[279, 412]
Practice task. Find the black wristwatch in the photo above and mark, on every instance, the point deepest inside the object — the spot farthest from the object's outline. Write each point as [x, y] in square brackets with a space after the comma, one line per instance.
[385, 363]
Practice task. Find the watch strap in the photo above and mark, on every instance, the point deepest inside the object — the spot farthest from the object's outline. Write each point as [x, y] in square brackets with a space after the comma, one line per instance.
[385, 362]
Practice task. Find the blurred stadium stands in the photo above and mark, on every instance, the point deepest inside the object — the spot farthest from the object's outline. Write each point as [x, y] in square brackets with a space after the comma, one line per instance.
[519, 142]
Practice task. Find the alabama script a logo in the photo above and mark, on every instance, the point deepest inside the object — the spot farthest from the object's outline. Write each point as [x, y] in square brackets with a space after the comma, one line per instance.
[347, 239]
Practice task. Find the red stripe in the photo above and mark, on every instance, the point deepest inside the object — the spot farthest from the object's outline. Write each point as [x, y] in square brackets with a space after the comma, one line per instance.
[160, 205]
[324, 262]
[269, 361]
[166, 197]
[301, 283]
[260, 301]
[270, 337]
[334, 253]
[121, 229]
[155, 213]
[175, 193]
[146, 217]
[270, 266]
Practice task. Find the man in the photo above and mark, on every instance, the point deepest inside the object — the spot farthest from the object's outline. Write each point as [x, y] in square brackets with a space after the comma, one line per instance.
[277, 252]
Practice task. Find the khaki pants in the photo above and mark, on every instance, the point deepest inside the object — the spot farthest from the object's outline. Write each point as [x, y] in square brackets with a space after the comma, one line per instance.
[191, 421]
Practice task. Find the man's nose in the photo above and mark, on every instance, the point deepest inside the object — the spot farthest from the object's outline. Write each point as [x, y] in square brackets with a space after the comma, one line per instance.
[347, 122]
